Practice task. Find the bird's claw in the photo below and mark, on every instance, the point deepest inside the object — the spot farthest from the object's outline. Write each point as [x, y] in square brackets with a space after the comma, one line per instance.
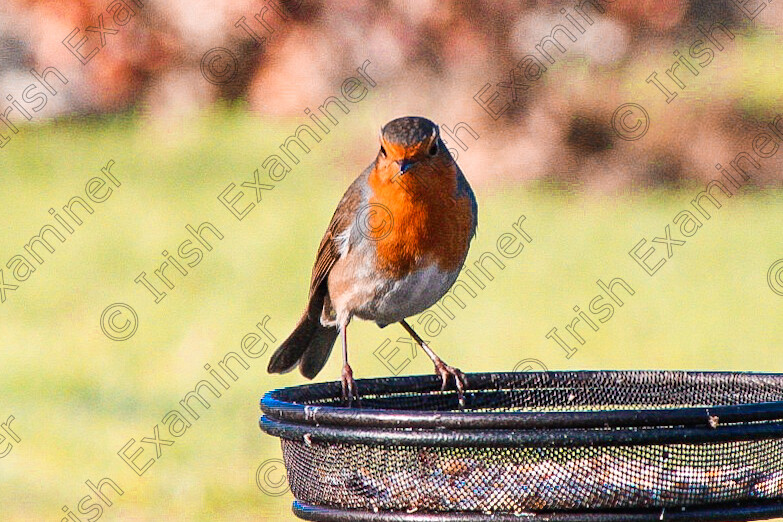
[350, 391]
[444, 371]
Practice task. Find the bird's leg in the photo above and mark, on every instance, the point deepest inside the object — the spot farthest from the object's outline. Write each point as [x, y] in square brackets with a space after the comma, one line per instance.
[441, 368]
[350, 392]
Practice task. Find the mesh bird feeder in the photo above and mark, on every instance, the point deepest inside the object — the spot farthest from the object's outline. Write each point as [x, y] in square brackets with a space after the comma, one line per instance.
[554, 446]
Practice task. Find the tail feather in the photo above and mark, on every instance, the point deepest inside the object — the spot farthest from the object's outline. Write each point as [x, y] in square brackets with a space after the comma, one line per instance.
[317, 353]
[308, 346]
[287, 356]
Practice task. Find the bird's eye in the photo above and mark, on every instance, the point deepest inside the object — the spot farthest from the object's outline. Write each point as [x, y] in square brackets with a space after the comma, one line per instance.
[383, 151]
[434, 149]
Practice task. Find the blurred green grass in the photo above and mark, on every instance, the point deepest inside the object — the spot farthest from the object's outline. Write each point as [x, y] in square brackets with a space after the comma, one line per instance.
[79, 397]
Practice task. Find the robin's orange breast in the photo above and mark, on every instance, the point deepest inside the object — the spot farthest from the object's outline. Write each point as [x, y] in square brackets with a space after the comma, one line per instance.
[430, 224]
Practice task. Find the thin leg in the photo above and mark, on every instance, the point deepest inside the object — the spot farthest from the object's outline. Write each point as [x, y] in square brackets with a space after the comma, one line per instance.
[350, 392]
[442, 369]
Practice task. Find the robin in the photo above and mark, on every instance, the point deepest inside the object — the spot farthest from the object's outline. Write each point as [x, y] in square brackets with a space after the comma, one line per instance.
[394, 247]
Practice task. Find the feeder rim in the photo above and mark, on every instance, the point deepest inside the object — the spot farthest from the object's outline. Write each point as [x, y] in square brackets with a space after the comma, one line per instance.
[536, 438]
[290, 405]
[760, 510]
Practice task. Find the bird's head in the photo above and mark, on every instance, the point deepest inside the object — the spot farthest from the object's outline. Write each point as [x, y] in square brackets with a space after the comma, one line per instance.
[411, 147]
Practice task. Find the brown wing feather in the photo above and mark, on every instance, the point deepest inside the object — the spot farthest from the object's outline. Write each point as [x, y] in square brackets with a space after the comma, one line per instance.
[328, 251]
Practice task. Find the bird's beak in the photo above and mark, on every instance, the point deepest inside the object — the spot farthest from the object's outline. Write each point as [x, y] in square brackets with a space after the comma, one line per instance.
[405, 164]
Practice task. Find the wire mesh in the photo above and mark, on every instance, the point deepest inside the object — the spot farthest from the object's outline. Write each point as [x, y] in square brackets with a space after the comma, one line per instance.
[521, 480]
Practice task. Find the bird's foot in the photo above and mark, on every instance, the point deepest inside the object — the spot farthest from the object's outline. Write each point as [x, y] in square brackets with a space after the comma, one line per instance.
[444, 371]
[350, 391]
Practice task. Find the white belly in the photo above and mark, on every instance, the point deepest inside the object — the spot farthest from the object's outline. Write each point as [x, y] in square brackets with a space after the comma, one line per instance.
[409, 296]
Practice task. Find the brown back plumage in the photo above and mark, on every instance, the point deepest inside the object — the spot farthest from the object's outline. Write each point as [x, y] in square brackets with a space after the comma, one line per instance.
[310, 344]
